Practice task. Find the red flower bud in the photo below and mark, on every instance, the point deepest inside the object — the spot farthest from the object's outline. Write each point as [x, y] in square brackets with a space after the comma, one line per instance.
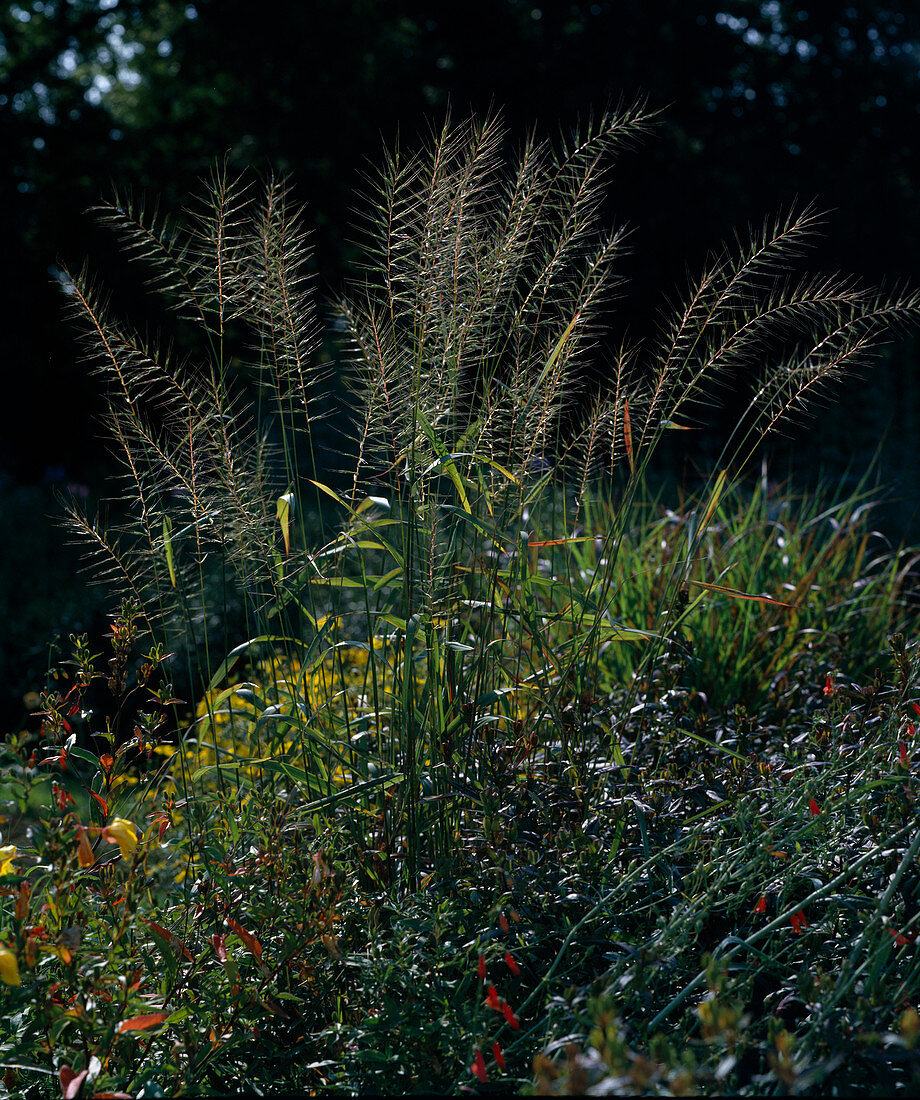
[478, 1068]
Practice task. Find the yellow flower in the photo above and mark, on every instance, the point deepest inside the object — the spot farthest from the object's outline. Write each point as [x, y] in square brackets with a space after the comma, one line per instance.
[7, 854]
[123, 833]
[9, 968]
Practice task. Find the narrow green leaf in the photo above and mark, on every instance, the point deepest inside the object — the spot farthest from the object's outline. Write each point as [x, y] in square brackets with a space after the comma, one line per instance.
[717, 491]
[167, 543]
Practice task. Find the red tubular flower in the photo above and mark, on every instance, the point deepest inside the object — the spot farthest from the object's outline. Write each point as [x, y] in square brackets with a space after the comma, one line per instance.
[916, 707]
[911, 730]
[798, 921]
[499, 1057]
[829, 688]
[813, 807]
[503, 921]
[761, 906]
[513, 1021]
[478, 1068]
[902, 753]
[481, 968]
[493, 1000]
[511, 964]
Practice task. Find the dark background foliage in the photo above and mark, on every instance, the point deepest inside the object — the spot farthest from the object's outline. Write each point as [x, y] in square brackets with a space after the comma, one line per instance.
[764, 103]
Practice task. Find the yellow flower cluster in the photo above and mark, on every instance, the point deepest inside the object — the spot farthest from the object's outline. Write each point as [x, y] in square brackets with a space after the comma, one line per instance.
[329, 701]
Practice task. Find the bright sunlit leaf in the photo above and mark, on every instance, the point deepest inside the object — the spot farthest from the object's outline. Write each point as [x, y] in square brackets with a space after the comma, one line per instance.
[285, 510]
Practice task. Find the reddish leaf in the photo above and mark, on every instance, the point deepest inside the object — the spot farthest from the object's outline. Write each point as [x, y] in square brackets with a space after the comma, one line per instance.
[219, 944]
[532, 545]
[71, 1082]
[174, 942]
[738, 595]
[85, 853]
[102, 803]
[141, 1023]
[627, 433]
[247, 937]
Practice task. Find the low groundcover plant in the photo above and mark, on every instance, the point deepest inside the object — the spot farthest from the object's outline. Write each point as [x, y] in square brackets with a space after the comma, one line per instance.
[495, 767]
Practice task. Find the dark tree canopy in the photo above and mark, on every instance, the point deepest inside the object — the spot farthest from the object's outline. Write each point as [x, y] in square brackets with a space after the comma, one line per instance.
[762, 103]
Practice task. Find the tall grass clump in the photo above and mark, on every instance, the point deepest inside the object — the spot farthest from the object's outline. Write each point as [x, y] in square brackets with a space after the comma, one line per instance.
[404, 650]
[439, 661]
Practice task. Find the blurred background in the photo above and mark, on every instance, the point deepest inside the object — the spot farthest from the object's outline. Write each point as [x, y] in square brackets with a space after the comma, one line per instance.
[763, 104]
